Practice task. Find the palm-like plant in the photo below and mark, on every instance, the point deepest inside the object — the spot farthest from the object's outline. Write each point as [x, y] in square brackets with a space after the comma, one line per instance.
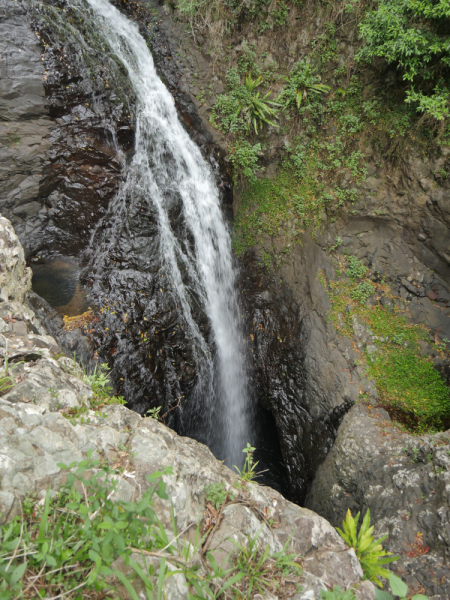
[302, 81]
[256, 109]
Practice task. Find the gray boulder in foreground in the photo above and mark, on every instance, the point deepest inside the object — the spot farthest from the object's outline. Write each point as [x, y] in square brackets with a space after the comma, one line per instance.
[34, 442]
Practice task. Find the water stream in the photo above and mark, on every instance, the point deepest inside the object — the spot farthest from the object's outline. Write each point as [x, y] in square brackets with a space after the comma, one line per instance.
[167, 170]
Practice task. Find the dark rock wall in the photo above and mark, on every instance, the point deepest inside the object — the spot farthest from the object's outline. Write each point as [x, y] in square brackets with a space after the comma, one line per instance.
[277, 332]
[65, 132]
[24, 121]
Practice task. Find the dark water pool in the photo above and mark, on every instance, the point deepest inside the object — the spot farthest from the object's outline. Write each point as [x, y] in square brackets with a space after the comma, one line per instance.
[57, 281]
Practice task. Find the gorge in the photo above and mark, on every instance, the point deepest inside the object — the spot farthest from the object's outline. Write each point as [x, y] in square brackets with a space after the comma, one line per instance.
[106, 166]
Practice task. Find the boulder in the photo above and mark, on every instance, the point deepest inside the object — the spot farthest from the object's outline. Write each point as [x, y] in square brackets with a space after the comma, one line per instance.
[35, 441]
[405, 482]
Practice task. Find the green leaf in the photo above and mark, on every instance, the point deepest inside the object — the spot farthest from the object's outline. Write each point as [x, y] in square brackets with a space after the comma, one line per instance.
[162, 490]
[162, 570]
[152, 477]
[398, 587]
[18, 573]
[382, 595]
[139, 571]
[126, 583]
[105, 525]
[231, 582]
[51, 561]
[95, 557]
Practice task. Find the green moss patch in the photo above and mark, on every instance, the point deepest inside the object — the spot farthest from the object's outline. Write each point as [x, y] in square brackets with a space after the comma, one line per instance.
[408, 384]
[282, 206]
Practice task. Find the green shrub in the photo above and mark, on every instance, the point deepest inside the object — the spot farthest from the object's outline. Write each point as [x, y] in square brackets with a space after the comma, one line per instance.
[355, 268]
[362, 291]
[414, 36]
[244, 157]
[370, 552]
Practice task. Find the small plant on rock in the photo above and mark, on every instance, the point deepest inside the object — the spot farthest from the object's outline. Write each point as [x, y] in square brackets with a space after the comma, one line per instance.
[355, 268]
[261, 569]
[242, 107]
[98, 380]
[6, 381]
[370, 552]
[256, 109]
[337, 594]
[248, 471]
[362, 292]
[153, 413]
[217, 494]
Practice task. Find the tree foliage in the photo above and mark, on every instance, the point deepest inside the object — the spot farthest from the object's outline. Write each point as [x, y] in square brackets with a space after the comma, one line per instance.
[415, 36]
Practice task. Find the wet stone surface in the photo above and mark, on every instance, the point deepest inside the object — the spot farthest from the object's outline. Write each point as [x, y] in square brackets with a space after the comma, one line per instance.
[276, 331]
[68, 128]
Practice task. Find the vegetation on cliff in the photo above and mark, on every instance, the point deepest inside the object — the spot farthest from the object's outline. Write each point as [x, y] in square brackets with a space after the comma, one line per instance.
[321, 111]
[394, 351]
[413, 36]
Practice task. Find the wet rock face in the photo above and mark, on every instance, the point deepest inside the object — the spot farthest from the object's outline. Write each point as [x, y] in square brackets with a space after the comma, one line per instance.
[404, 481]
[24, 119]
[89, 99]
[141, 329]
[277, 332]
[68, 131]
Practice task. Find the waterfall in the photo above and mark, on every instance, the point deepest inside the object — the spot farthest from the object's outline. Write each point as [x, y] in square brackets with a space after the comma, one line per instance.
[168, 165]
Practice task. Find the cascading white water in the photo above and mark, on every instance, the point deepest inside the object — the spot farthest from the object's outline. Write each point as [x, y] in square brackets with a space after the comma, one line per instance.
[168, 163]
